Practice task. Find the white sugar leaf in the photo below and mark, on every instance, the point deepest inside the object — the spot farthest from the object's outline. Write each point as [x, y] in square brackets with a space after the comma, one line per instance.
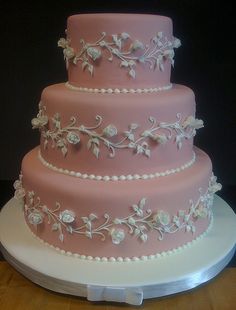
[45, 144]
[142, 227]
[61, 237]
[132, 73]
[64, 150]
[124, 35]
[96, 141]
[69, 229]
[96, 151]
[88, 234]
[55, 226]
[139, 149]
[89, 144]
[137, 231]
[126, 133]
[144, 237]
[90, 69]
[92, 216]
[162, 67]
[84, 219]
[133, 126]
[142, 203]
[135, 207]
[118, 43]
[179, 145]
[114, 37]
[88, 225]
[188, 228]
[148, 153]
[84, 65]
[124, 63]
[117, 221]
[131, 145]
[131, 137]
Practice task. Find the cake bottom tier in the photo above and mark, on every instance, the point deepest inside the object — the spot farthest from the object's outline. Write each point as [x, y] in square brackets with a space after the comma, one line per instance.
[117, 220]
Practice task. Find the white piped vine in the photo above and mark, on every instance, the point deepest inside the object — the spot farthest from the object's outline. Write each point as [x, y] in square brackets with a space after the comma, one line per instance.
[158, 132]
[129, 52]
[139, 223]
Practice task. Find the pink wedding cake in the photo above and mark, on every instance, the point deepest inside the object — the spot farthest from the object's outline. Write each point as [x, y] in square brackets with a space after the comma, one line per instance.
[116, 176]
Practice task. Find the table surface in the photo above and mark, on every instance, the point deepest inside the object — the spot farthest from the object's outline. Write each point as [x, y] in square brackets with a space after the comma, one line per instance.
[17, 292]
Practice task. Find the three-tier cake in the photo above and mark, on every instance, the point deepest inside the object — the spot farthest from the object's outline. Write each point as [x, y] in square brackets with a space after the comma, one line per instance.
[116, 176]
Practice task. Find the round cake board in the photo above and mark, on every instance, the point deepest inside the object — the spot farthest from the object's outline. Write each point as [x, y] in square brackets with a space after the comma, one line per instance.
[129, 282]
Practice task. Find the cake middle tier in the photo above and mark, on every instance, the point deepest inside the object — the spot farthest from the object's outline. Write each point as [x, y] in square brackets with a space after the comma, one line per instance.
[117, 134]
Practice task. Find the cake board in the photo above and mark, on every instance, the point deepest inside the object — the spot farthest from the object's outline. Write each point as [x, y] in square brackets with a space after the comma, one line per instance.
[129, 282]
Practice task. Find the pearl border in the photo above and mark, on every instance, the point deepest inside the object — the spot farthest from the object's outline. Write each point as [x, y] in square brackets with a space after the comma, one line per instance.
[119, 90]
[128, 177]
[128, 259]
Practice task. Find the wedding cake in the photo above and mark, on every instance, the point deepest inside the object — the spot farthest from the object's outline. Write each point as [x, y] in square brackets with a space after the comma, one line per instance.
[116, 176]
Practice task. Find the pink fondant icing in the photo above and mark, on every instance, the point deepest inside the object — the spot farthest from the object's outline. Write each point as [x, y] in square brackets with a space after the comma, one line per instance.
[83, 197]
[120, 110]
[109, 74]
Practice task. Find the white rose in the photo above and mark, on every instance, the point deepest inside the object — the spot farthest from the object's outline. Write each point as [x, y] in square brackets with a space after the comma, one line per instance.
[94, 53]
[117, 235]
[19, 193]
[69, 52]
[176, 43]
[67, 216]
[137, 45]
[73, 138]
[62, 43]
[162, 218]
[35, 218]
[110, 131]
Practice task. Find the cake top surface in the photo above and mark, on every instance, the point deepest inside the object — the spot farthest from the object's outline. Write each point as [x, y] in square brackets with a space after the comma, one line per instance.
[119, 50]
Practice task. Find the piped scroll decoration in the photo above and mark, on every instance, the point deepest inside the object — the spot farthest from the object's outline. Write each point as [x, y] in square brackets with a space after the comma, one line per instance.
[158, 132]
[129, 52]
[139, 223]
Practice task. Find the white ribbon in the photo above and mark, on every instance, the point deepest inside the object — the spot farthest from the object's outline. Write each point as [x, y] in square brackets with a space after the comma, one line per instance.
[132, 296]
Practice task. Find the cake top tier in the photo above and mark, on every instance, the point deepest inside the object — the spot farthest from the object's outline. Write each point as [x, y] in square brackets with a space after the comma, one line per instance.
[116, 51]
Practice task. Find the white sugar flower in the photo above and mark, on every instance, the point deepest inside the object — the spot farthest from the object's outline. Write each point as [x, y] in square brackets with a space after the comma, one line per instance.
[176, 43]
[67, 216]
[124, 35]
[94, 53]
[19, 193]
[110, 131]
[68, 52]
[193, 122]
[73, 138]
[162, 139]
[35, 217]
[162, 218]
[137, 45]
[117, 235]
[17, 184]
[169, 53]
[39, 121]
[214, 186]
[201, 211]
[63, 43]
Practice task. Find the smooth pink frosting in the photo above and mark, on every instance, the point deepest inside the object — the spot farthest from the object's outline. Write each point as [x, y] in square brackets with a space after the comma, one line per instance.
[107, 74]
[171, 194]
[120, 110]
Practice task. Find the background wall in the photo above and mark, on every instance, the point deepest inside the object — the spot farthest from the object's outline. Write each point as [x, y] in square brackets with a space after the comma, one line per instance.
[205, 63]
